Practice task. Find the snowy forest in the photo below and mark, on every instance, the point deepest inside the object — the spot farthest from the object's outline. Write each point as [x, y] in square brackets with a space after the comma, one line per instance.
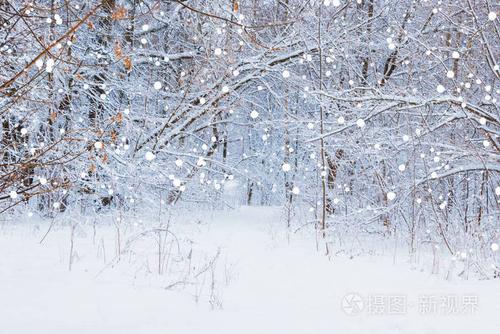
[172, 145]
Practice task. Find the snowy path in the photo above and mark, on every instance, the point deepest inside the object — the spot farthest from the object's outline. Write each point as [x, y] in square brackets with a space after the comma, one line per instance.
[275, 287]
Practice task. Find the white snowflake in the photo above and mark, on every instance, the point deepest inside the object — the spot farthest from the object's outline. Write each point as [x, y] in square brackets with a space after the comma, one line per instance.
[254, 114]
[201, 162]
[59, 20]
[49, 66]
[286, 167]
[149, 156]
[391, 195]
[440, 89]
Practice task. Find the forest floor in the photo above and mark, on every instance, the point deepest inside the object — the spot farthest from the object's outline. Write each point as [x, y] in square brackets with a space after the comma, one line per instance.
[234, 272]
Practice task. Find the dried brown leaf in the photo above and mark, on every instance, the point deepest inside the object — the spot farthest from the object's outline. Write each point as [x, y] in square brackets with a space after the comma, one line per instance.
[119, 117]
[119, 14]
[127, 62]
[118, 50]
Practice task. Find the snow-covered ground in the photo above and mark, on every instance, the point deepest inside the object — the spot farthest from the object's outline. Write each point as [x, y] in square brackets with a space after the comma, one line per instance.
[234, 272]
